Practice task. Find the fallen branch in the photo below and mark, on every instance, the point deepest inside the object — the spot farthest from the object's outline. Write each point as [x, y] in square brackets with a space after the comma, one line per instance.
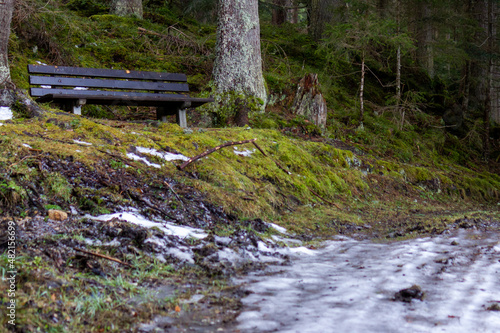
[327, 201]
[275, 162]
[103, 256]
[227, 144]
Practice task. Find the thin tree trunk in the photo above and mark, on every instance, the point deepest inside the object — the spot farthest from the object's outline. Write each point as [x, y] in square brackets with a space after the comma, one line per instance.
[398, 62]
[466, 88]
[6, 9]
[238, 61]
[361, 90]
[489, 86]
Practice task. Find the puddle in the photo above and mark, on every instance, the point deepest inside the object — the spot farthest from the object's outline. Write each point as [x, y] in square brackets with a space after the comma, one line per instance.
[350, 286]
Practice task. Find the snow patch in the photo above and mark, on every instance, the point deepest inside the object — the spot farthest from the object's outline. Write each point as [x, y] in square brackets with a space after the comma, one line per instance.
[27, 145]
[5, 113]
[142, 159]
[245, 152]
[276, 227]
[167, 227]
[164, 155]
[82, 142]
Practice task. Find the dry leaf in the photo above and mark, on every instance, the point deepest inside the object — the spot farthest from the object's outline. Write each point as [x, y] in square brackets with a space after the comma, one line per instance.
[177, 308]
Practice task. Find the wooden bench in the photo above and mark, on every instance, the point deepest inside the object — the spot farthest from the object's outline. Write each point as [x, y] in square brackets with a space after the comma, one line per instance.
[73, 87]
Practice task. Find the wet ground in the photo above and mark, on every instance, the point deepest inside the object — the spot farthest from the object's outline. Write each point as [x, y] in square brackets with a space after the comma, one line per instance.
[362, 286]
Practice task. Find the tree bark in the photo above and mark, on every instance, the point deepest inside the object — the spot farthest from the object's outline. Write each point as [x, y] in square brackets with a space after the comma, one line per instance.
[238, 61]
[320, 13]
[279, 12]
[127, 8]
[362, 90]
[489, 84]
[6, 9]
[293, 13]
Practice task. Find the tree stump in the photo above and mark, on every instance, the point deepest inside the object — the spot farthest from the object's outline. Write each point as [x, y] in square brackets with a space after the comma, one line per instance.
[309, 102]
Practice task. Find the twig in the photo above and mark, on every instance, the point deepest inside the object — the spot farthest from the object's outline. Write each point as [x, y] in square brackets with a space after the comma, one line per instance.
[197, 157]
[327, 201]
[103, 256]
[276, 162]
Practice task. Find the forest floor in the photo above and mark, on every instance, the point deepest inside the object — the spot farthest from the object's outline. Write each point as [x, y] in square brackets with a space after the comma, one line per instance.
[108, 227]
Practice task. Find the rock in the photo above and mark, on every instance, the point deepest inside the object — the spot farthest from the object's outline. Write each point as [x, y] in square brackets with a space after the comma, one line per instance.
[57, 215]
[406, 295]
[494, 307]
[309, 102]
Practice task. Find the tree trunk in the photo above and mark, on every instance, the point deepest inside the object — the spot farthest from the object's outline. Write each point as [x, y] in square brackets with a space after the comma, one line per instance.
[321, 12]
[309, 102]
[293, 13]
[127, 8]
[238, 61]
[398, 59]
[422, 28]
[489, 84]
[361, 90]
[6, 9]
[279, 12]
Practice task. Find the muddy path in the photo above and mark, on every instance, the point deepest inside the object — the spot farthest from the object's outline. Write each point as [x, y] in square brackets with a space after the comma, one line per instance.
[364, 286]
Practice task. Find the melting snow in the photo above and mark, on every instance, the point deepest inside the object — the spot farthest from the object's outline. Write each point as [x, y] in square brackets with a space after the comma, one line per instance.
[167, 227]
[276, 227]
[26, 145]
[143, 159]
[82, 142]
[349, 286]
[5, 113]
[245, 152]
[166, 156]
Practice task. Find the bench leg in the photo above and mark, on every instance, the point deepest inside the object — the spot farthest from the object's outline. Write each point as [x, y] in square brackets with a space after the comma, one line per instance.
[75, 106]
[181, 118]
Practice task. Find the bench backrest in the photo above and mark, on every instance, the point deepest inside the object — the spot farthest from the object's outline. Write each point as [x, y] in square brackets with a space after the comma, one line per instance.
[107, 79]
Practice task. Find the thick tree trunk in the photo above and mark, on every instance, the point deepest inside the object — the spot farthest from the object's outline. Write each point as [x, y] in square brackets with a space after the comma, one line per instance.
[320, 13]
[309, 102]
[293, 13]
[6, 9]
[127, 8]
[279, 12]
[238, 61]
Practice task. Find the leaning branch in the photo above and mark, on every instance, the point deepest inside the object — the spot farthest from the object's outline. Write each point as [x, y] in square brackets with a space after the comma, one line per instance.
[275, 162]
[103, 256]
[227, 144]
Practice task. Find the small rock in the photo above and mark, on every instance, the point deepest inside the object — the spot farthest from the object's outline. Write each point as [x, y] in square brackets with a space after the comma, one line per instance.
[57, 215]
[454, 243]
[493, 307]
[406, 295]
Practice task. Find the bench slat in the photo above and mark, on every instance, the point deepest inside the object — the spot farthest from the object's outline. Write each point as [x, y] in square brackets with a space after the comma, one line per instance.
[108, 73]
[76, 94]
[109, 84]
[115, 97]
